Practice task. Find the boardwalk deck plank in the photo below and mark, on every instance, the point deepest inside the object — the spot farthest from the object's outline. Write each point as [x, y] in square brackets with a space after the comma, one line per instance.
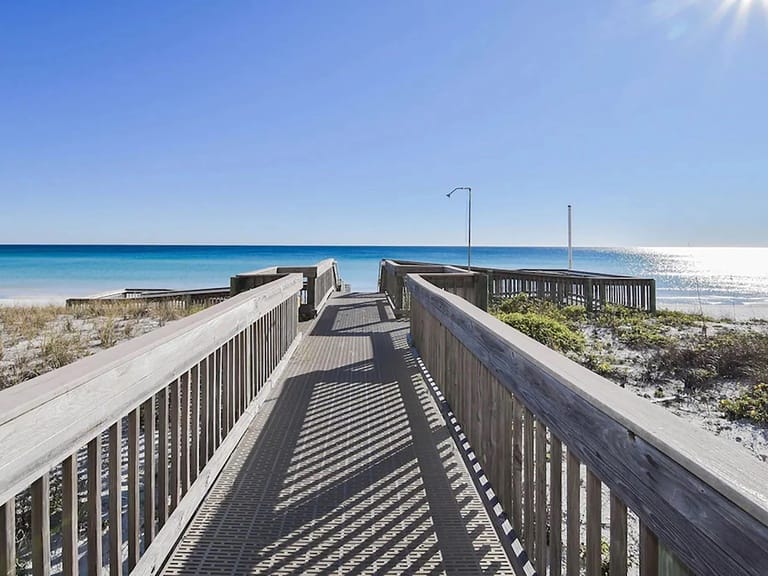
[348, 468]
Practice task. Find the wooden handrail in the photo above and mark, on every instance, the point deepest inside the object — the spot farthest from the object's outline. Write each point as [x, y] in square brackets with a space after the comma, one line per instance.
[320, 280]
[697, 498]
[189, 387]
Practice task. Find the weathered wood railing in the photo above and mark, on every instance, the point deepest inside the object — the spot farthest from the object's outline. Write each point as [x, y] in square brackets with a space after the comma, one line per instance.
[469, 285]
[591, 290]
[695, 503]
[320, 281]
[164, 410]
[173, 298]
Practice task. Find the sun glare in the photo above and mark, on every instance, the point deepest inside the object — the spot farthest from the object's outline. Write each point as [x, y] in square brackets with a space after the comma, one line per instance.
[739, 10]
[735, 14]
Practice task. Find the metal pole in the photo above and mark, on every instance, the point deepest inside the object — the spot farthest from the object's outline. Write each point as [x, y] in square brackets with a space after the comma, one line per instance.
[469, 223]
[570, 239]
[469, 232]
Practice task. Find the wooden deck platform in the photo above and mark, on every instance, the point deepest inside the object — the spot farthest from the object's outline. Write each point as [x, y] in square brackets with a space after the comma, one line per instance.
[348, 468]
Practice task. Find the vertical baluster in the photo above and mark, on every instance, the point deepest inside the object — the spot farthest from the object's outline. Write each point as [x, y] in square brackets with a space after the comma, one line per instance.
[541, 497]
[133, 488]
[618, 536]
[69, 503]
[573, 511]
[205, 412]
[517, 466]
[194, 464]
[233, 384]
[175, 461]
[244, 369]
[162, 458]
[238, 374]
[251, 367]
[94, 506]
[184, 434]
[115, 500]
[594, 508]
[211, 385]
[263, 350]
[41, 527]
[224, 375]
[649, 551]
[149, 471]
[556, 505]
[506, 437]
[8, 538]
[528, 487]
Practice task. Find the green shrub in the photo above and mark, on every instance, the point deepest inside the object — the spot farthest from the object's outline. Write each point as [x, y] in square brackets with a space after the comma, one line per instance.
[546, 330]
[699, 360]
[751, 404]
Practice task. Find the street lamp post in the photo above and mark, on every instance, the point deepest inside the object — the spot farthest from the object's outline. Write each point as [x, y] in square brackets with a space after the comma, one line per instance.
[469, 223]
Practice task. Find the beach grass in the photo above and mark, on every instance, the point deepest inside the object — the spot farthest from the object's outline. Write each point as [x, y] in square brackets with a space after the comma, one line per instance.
[37, 339]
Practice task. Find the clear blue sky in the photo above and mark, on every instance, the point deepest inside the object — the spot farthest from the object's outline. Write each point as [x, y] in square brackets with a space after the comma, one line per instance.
[347, 122]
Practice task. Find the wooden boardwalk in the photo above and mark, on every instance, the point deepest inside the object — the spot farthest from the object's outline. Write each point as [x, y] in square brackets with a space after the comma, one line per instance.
[348, 468]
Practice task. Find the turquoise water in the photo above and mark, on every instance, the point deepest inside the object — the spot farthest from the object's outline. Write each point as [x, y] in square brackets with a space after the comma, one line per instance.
[709, 275]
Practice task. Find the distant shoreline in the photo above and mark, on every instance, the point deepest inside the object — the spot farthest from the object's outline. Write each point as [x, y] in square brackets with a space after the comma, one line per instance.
[739, 311]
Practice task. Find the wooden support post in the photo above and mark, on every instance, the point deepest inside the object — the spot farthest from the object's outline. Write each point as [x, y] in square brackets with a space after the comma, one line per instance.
[41, 527]
[149, 471]
[115, 500]
[556, 505]
[618, 562]
[8, 538]
[69, 533]
[94, 506]
[134, 496]
[594, 524]
[573, 511]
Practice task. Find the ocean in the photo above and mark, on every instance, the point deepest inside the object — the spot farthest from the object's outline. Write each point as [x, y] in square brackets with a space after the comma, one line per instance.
[696, 276]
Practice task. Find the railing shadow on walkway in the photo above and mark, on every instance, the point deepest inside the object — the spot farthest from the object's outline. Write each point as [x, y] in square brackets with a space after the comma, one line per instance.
[321, 487]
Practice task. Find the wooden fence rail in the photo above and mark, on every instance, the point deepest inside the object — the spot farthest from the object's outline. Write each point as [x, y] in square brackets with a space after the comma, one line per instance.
[468, 285]
[160, 413]
[320, 281]
[173, 298]
[556, 440]
[594, 291]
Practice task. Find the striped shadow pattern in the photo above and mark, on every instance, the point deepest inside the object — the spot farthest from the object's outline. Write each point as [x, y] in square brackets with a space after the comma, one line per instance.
[495, 509]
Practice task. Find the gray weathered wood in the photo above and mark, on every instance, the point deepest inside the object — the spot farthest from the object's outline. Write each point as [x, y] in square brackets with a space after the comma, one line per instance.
[573, 511]
[133, 489]
[94, 506]
[194, 449]
[618, 562]
[174, 458]
[649, 551]
[37, 430]
[556, 506]
[528, 487]
[184, 413]
[162, 457]
[8, 538]
[517, 467]
[652, 459]
[594, 524]
[69, 524]
[41, 527]
[149, 471]
[542, 554]
[115, 500]
[152, 560]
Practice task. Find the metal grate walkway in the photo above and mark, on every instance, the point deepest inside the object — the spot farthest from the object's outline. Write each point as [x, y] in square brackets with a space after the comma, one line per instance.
[347, 469]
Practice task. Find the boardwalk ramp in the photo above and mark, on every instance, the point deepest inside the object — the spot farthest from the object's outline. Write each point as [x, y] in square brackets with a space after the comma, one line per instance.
[349, 468]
